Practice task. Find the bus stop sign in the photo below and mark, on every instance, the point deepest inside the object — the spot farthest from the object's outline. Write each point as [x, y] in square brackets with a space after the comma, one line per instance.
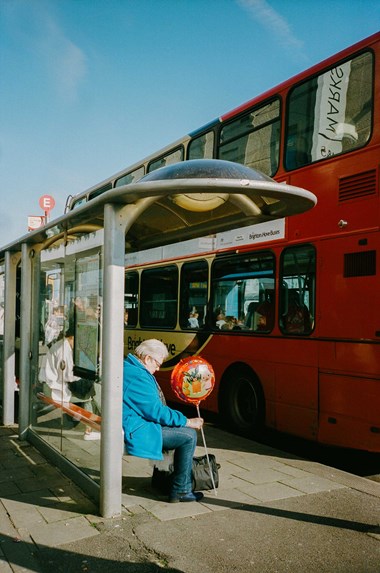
[47, 203]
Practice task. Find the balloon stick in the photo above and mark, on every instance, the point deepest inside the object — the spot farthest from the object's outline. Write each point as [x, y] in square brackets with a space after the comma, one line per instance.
[207, 456]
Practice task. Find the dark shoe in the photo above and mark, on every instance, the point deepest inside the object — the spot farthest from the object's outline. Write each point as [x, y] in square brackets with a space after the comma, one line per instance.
[191, 496]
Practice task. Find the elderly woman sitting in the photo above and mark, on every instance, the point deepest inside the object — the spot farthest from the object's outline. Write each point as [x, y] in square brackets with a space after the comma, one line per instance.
[150, 426]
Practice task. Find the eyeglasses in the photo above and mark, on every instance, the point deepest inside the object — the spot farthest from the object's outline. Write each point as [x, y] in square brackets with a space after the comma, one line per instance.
[158, 364]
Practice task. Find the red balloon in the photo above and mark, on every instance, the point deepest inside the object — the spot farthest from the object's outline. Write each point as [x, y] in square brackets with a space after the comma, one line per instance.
[192, 379]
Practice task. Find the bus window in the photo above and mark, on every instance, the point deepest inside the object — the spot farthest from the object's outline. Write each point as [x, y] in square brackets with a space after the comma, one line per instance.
[81, 201]
[99, 191]
[297, 297]
[331, 113]
[202, 147]
[193, 297]
[254, 139]
[131, 299]
[159, 291]
[131, 177]
[242, 292]
[168, 159]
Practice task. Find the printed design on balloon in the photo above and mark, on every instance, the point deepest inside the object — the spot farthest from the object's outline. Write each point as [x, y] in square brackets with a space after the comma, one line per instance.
[193, 379]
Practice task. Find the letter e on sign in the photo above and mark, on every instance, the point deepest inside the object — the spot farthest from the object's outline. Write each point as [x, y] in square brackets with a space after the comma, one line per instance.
[47, 203]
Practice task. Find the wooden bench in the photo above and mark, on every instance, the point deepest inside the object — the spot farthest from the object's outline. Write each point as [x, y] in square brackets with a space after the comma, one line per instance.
[73, 410]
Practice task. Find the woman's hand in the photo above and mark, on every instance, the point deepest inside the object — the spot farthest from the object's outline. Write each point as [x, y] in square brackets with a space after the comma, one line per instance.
[195, 423]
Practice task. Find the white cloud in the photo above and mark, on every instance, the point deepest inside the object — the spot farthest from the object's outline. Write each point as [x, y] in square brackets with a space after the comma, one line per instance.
[266, 16]
[35, 27]
[65, 60]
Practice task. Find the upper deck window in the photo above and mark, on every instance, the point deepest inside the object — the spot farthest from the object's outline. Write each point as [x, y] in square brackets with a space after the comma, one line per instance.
[254, 138]
[330, 114]
[202, 147]
[100, 191]
[82, 199]
[168, 159]
[131, 177]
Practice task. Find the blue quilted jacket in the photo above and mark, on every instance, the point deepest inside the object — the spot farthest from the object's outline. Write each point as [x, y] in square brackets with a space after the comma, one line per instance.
[143, 412]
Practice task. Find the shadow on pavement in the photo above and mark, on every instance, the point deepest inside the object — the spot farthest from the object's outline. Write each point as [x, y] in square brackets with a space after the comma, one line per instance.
[22, 554]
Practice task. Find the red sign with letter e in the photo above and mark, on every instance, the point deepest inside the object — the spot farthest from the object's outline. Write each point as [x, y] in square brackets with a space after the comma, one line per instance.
[47, 203]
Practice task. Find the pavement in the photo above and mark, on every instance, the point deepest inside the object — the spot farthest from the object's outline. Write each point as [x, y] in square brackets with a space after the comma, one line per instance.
[272, 513]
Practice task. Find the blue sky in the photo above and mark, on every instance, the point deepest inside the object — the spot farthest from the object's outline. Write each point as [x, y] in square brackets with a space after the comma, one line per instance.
[88, 87]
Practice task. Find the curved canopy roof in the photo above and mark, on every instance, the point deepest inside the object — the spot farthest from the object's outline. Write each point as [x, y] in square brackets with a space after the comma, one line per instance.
[182, 201]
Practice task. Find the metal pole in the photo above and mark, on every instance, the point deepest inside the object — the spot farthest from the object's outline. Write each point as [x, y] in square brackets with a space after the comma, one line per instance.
[112, 362]
[117, 220]
[25, 338]
[10, 267]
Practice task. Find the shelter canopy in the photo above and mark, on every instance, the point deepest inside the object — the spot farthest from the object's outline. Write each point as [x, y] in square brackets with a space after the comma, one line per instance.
[181, 201]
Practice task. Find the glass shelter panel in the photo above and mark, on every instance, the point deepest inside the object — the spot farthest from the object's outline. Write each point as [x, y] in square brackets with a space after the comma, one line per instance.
[243, 292]
[2, 301]
[66, 397]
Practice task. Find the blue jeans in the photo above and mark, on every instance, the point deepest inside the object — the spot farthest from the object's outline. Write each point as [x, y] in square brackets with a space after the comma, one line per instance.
[183, 441]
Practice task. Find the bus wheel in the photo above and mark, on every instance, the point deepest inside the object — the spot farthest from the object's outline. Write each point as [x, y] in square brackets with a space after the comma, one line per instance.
[242, 402]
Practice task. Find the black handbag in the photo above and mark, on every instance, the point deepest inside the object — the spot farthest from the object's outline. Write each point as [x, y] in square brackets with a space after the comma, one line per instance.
[82, 389]
[201, 479]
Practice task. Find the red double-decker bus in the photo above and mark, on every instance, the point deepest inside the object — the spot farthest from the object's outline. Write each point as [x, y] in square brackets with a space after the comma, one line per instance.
[287, 312]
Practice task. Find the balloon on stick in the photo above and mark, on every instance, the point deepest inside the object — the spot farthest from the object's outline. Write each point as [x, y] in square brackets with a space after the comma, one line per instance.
[192, 380]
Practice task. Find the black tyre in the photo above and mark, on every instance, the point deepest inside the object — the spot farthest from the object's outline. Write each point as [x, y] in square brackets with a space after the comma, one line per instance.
[242, 403]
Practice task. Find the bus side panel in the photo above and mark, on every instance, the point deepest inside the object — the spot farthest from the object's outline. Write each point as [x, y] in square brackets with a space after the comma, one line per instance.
[288, 374]
[348, 301]
[349, 394]
[297, 400]
[327, 179]
[349, 411]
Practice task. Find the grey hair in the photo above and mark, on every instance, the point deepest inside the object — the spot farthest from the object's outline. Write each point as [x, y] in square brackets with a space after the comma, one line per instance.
[152, 347]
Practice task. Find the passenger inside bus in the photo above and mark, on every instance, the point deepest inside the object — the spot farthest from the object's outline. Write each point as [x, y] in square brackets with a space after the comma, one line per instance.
[220, 319]
[230, 323]
[297, 318]
[193, 320]
[264, 314]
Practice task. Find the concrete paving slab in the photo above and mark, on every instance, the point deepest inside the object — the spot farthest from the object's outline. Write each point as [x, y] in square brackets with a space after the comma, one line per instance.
[259, 475]
[165, 511]
[20, 557]
[312, 484]
[9, 488]
[62, 532]
[288, 469]
[270, 491]
[226, 499]
[6, 526]
[22, 514]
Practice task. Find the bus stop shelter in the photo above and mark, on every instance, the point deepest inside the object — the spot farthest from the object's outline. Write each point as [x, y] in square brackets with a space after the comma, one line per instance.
[187, 200]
